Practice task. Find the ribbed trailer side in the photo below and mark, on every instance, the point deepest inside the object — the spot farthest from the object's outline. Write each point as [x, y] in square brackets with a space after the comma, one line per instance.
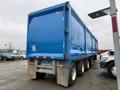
[95, 45]
[82, 42]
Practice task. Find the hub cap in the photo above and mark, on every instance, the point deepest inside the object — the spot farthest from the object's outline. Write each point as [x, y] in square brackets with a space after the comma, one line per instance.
[83, 69]
[88, 65]
[113, 70]
[74, 74]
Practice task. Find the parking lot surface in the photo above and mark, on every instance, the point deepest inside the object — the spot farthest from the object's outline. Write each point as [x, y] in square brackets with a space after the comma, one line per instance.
[13, 76]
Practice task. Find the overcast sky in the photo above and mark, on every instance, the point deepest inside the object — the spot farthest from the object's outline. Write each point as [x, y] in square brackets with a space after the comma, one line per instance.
[13, 19]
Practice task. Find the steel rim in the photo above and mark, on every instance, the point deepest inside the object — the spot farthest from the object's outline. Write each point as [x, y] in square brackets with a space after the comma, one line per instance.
[73, 74]
[113, 70]
[83, 69]
[88, 65]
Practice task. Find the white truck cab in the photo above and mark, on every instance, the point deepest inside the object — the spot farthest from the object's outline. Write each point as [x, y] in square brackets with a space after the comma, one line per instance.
[107, 62]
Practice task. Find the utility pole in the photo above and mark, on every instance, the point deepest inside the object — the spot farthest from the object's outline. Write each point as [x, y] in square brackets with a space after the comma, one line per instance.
[115, 39]
[112, 11]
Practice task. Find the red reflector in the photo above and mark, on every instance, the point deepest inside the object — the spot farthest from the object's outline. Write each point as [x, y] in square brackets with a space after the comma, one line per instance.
[114, 24]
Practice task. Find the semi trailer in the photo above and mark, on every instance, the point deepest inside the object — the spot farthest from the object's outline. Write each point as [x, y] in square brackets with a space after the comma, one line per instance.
[59, 44]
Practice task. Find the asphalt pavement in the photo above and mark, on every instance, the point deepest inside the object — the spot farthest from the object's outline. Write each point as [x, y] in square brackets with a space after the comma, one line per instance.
[13, 76]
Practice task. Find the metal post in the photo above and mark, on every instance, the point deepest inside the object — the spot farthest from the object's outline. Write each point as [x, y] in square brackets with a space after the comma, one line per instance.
[115, 39]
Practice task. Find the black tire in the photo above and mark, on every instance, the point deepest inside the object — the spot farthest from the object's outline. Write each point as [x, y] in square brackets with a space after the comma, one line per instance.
[80, 68]
[22, 58]
[0, 58]
[91, 62]
[87, 65]
[72, 75]
[40, 75]
[109, 70]
[4, 59]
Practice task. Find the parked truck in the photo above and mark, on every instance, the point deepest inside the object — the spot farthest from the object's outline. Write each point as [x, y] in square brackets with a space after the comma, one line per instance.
[107, 61]
[60, 44]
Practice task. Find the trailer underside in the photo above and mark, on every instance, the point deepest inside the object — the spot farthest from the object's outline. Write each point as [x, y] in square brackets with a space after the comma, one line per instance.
[61, 69]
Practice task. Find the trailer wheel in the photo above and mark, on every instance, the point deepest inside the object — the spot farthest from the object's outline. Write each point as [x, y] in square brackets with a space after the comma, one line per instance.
[87, 65]
[80, 68]
[91, 62]
[72, 75]
[4, 59]
[112, 70]
[22, 58]
[40, 75]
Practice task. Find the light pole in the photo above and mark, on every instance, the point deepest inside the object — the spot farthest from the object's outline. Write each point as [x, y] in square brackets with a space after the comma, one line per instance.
[115, 39]
[113, 12]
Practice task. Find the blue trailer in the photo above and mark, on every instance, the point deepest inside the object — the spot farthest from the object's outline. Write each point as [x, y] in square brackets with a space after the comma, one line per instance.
[59, 43]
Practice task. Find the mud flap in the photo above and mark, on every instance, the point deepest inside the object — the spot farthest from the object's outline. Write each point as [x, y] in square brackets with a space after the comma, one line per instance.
[31, 70]
[62, 74]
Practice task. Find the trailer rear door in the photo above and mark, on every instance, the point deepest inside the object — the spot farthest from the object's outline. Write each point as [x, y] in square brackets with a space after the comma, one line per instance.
[46, 34]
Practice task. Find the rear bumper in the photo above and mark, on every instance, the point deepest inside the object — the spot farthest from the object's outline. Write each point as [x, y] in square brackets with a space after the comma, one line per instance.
[45, 56]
